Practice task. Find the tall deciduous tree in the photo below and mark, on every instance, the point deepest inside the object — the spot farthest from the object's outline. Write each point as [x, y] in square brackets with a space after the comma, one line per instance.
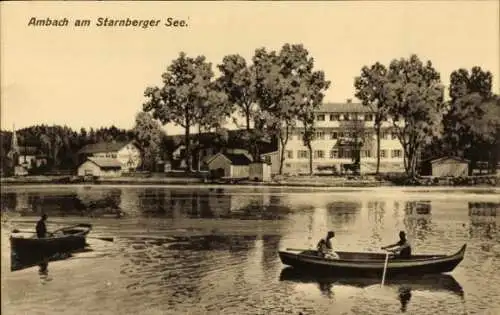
[471, 123]
[280, 89]
[370, 90]
[414, 98]
[238, 80]
[312, 88]
[187, 82]
[150, 136]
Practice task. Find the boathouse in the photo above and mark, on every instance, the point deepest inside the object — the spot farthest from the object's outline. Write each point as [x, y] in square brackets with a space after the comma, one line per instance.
[450, 167]
[229, 165]
[100, 167]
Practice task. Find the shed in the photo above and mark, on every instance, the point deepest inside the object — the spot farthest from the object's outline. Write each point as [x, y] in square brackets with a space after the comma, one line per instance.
[450, 167]
[101, 167]
[229, 165]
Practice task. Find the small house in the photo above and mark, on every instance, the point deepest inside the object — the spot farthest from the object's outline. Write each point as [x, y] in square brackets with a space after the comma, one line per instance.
[127, 153]
[100, 167]
[229, 165]
[450, 167]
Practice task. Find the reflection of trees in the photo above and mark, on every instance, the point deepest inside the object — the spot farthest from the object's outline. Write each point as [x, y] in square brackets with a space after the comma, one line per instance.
[483, 219]
[418, 218]
[8, 201]
[156, 202]
[376, 213]
[271, 244]
[483, 208]
[343, 212]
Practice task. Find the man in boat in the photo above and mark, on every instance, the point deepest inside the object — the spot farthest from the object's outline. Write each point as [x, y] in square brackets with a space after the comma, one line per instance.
[41, 228]
[402, 247]
[325, 248]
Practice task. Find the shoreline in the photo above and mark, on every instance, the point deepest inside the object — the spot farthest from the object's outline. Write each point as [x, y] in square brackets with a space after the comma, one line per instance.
[297, 182]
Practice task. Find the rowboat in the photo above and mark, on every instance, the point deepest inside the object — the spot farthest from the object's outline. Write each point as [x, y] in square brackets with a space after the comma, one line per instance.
[64, 240]
[371, 264]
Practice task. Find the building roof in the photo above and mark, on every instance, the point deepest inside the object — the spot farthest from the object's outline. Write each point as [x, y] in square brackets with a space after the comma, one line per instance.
[449, 158]
[234, 159]
[238, 159]
[103, 147]
[109, 163]
[28, 150]
[343, 108]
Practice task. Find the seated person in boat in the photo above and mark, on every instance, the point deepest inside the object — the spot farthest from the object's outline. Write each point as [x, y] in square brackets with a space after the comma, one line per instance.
[41, 228]
[325, 246]
[402, 247]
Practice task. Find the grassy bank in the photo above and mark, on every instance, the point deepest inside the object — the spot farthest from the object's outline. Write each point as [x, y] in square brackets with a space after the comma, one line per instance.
[279, 181]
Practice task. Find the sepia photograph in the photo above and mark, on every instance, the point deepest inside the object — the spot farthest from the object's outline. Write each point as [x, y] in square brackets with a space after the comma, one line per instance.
[250, 157]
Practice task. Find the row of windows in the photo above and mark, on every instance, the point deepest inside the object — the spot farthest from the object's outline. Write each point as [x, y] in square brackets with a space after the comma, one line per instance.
[347, 117]
[321, 135]
[342, 154]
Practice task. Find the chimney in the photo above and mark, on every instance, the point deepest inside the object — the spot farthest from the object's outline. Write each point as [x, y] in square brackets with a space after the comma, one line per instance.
[349, 100]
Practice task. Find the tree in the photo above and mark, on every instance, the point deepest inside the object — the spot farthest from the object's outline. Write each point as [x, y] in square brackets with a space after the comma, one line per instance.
[238, 80]
[150, 136]
[213, 111]
[471, 123]
[312, 87]
[414, 98]
[280, 90]
[370, 90]
[186, 84]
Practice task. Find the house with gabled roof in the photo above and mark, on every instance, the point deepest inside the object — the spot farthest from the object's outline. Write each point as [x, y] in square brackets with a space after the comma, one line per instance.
[229, 165]
[127, 153]
[100, 167]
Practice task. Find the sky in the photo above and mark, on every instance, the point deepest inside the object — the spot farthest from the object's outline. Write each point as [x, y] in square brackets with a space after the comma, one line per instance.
[96, 76]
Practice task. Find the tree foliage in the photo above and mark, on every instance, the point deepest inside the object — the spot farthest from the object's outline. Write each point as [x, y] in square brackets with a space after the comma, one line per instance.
[187, 87]
[472, 120]
[414, 98]
[280, 88]
[370, 90]
[150, 137]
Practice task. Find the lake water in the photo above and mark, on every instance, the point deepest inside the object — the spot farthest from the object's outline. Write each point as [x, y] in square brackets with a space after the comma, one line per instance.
[214, 250]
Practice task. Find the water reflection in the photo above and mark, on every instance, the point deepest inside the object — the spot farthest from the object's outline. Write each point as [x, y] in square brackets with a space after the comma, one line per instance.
[418, 218]
[404, 286]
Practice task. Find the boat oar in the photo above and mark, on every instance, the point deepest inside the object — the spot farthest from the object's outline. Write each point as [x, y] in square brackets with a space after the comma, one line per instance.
[385, 268]
[106, 239]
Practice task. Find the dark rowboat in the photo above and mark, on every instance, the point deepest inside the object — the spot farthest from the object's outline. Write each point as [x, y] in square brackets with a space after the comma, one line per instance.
[60, 241]
[371, 264]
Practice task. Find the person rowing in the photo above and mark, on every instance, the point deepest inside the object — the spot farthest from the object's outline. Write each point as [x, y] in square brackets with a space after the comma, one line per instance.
[402, 248]
[325, 248]
[41, 228]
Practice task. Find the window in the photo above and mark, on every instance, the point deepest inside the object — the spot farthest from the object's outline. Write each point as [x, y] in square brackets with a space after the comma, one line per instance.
[334, 154]
[334, 117]
[267, 159]
[320, 117]
[341, 134]
[366, 153]
[303, 154]
[289, 154]
[113, 155]
[368, 117]
[345, 154]
[320, 135]
[346, 117]
[385, 135]
[396, 154]
[333, 135]
[383, 154]
[319, 154]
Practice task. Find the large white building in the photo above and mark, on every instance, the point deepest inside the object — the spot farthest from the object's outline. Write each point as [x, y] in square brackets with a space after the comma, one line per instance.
[338, 126]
